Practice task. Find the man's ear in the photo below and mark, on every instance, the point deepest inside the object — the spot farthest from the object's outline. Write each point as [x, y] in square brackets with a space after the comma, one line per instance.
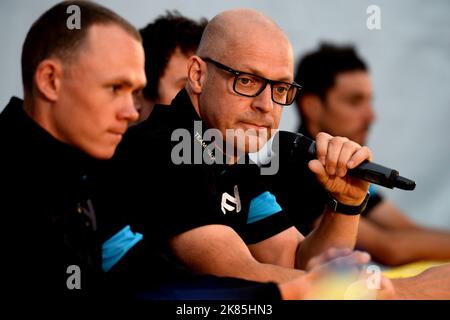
[196, 74]
[47, 79]
[311, 106]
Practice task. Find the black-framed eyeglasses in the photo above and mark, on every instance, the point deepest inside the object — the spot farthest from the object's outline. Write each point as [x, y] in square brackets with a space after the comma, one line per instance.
[251, 85]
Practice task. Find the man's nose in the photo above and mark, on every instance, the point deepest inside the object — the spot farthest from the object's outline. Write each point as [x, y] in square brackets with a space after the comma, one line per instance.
[128, 110]
[263, 101]
[370, 113]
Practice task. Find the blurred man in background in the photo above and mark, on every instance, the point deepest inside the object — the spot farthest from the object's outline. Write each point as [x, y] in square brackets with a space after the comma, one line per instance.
[337, 98]
[168, 42]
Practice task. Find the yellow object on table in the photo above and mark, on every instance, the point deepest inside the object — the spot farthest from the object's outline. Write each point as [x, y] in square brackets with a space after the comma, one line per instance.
[411, 269]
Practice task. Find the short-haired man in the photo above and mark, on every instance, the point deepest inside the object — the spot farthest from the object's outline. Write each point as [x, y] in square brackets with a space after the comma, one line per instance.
[168, 43]
[79, 89]
[337, 99]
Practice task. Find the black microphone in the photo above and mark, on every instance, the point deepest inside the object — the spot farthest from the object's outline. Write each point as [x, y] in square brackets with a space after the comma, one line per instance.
[298, 146]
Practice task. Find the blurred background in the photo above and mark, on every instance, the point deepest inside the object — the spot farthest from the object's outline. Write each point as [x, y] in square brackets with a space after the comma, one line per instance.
[409, 60]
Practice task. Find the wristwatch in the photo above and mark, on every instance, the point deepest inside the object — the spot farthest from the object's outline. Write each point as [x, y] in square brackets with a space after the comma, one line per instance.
[335, 205]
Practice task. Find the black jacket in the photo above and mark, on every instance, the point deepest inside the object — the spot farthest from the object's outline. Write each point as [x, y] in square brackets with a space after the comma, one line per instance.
[47, 218]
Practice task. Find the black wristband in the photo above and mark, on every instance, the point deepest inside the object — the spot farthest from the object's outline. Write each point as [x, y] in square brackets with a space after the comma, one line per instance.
[335, 205]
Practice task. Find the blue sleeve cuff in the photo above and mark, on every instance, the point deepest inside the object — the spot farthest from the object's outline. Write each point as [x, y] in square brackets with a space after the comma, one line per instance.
[262, 206]
[117, 246]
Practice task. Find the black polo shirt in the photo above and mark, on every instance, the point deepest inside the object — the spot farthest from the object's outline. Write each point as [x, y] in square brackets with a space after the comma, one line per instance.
[143, 188]
[168, 198]
[47, 217]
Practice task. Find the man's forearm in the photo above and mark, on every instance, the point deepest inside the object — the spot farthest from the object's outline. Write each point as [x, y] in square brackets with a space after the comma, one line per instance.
[421, 244]
[268, 273]
[433, 283]
[335, 230]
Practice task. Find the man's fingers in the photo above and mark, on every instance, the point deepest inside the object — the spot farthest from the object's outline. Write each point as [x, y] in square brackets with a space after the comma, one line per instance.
[333, 153]
[353, 261]
[317, 167]
[338, 154]
[359, 156]
[360, 257]
[322, 146]
[348, 149]
[387, 290]
[336, 253]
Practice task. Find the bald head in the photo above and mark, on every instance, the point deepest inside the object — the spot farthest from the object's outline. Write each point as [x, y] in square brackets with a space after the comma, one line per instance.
[238, 50]
[236, 29]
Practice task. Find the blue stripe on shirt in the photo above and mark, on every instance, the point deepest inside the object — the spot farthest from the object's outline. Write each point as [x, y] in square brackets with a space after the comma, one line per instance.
[262, 207]
[117, 246]
[372, 190]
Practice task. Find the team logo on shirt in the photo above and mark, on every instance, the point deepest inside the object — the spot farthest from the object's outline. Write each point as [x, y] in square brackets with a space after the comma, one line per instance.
[87, 209]
[230, 203]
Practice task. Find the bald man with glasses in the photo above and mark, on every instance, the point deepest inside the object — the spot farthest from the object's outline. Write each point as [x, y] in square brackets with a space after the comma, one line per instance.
[251, 85]
[218, 217]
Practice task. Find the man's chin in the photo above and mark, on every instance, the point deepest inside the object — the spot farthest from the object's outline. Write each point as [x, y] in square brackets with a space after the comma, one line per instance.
[100, 152]
[254, 143]
[361, 139]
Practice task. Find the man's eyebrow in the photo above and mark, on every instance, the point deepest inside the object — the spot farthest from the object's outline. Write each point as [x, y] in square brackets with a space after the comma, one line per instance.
[358, 95]
[125, 81]
[258, 73]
